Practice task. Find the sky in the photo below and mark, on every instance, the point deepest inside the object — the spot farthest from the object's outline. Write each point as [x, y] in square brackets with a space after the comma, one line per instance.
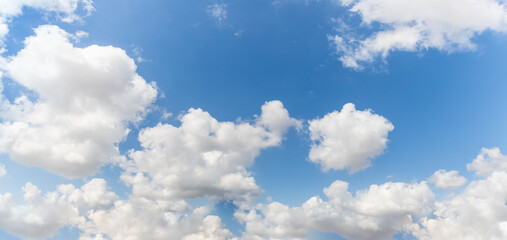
[249, 120]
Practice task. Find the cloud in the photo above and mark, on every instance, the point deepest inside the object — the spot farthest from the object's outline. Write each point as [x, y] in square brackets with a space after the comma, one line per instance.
[379, 212]
[375, 213]
[138, 219]
[99, 214]
[40, 217]
[218, 12]
[276, 118]
[3, 172]
[488, 161]
[348, 138]
[94, 194]
[85, 99]
[447, 180]
[416, 25]
[65, 10]
[203, 157]
[478, 213]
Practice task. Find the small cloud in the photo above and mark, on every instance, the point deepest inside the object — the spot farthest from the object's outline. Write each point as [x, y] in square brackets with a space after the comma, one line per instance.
[218, 13]
[276, 3]
[447, 179]
[166, 115]
[138, 52]
[238, 33]
[78, 36]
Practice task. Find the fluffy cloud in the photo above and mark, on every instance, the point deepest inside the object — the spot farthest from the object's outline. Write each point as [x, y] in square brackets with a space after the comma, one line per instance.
[375, 213]
[64, 9]
[348, 138]
[99, 214]
[94, 194]
[479, 212]
[416, 25]
[140, 218]
[488, 161]
[204, 157]
[447, 180]
[40, 217]
[86, 97]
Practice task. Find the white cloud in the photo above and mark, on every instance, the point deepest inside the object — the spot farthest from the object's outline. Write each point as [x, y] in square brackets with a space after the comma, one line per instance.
[204, 157]
[348, 138]
[40, 217]
[448, 25]
[447, 180]
[145, 219]
[478, 213]
[273, 221]
[276, 118]
[86, 97]
[488, 161]
[376, 213]
[217, 12]
[93, 194]
[3, 172]
[64, 9]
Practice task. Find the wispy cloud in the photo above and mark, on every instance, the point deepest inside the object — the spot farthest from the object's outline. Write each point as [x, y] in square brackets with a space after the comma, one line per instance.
[218, 12]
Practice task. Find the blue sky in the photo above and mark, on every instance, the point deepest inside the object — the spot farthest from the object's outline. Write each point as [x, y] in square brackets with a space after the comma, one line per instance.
[445, 98]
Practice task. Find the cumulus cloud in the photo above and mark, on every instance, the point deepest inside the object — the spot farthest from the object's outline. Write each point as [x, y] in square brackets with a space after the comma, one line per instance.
[204, 157]
[40, 216]
[99, 214]
[218, 12]
[276, 118]
[65, 10]
[416, 25]
[92, 195]
[375, 213]
[85, 99]
[348, 138]
[146, 219]
[479, 212]
[379, 212]
[488, 161]
[447, 180]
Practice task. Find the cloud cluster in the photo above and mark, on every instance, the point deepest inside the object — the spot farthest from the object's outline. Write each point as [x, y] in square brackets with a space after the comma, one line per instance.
[416, 25]
[348, 138]
[99, 214]
[140, 218]
[204, 157]
[479, 212]
[40, 216]
[375, 213]
[379, 212]
[65, 10]
[77, 105]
